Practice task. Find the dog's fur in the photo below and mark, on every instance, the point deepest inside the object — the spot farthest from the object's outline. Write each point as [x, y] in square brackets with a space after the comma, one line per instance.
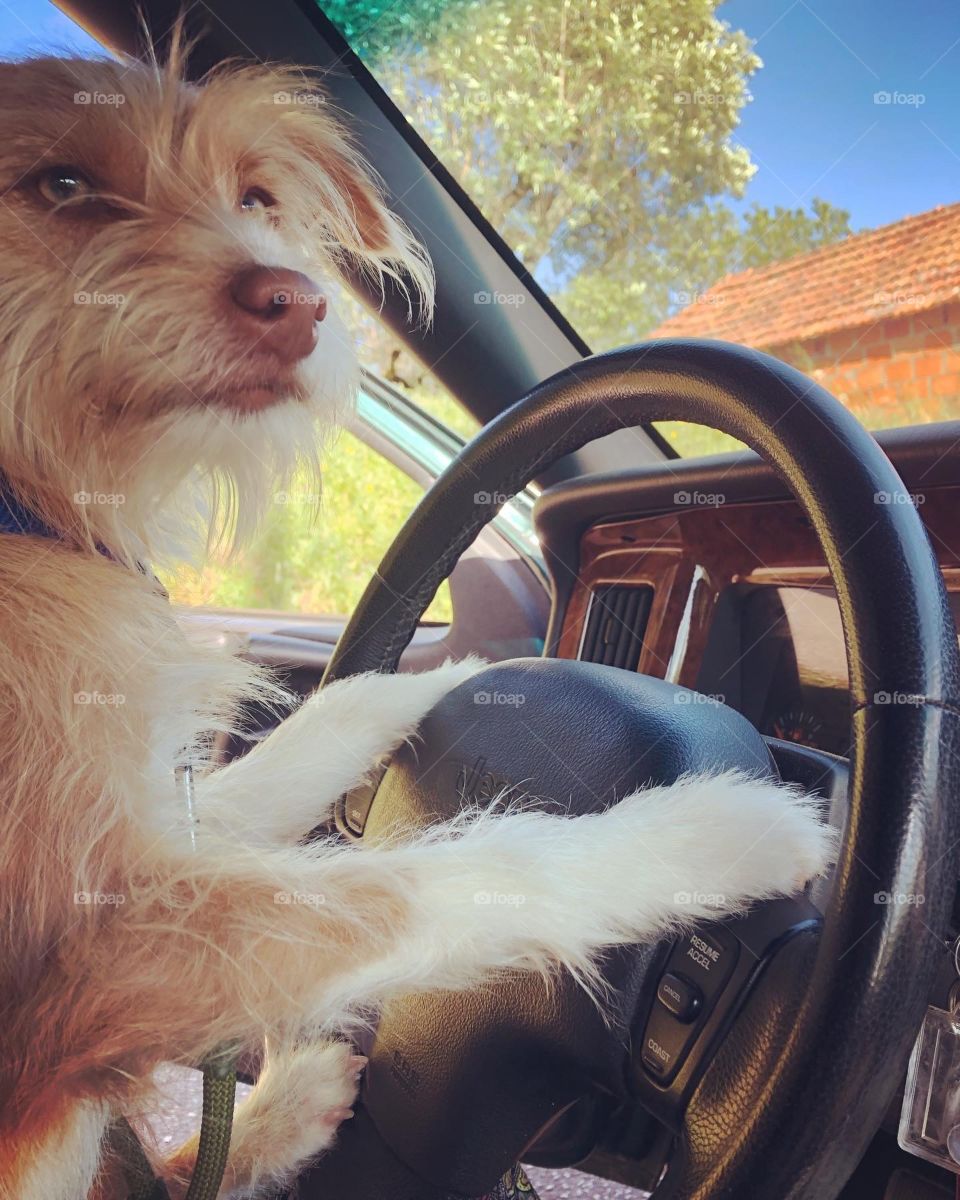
[180, 950]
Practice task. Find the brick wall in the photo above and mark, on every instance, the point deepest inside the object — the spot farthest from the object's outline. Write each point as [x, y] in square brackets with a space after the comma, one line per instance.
[900, 371]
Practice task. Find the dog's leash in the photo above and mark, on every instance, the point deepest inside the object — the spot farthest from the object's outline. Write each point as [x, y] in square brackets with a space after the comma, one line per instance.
[219, 1072]
[219, 1098]
[216, 1125]
[122, 1145]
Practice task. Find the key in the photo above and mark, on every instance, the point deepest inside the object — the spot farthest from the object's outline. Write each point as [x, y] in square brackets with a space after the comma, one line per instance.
[930, 1117]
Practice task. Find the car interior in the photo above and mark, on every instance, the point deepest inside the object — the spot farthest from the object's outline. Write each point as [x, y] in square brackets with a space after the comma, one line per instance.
[786, 606]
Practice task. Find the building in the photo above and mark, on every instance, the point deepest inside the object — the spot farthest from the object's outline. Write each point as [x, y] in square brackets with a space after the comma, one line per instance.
[874, 318]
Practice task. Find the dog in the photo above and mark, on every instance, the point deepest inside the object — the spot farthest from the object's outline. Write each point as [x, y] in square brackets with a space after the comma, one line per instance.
[169, 340]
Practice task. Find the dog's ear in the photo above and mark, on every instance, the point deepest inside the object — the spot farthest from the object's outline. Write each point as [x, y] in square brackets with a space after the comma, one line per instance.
[372, 229]
[345, 199]
[369, 232]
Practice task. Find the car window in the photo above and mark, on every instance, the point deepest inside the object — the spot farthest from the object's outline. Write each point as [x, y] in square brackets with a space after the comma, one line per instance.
[774, 173]
[387, 358]
[315, 553]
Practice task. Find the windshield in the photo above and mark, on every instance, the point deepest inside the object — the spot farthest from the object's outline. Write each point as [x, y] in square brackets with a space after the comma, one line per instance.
[781, 174]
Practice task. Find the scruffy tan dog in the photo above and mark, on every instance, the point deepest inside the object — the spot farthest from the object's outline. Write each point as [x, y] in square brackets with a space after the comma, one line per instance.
[167, 340]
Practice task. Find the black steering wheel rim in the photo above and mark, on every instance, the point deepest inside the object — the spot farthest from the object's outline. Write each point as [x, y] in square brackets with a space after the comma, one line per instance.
[789, 1111]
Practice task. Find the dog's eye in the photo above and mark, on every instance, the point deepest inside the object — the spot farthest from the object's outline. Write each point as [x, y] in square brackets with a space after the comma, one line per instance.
[58, 184]
[256, 200]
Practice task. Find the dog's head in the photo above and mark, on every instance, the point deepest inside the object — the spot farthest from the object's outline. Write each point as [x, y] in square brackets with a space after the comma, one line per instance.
[166, 308]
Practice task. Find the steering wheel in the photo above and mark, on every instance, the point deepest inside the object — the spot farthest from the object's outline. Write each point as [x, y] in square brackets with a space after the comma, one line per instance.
[806, 1020]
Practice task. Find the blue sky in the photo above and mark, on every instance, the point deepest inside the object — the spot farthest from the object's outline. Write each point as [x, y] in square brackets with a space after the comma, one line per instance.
[813, 128]
[30, 25]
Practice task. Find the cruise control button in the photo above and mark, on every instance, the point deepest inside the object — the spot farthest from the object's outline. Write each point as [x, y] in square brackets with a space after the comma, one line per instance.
[665, 1044]
[706, 959]
[679, 997]
[700, 965]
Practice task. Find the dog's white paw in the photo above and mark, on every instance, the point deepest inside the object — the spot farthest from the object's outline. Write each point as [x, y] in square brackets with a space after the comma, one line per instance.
[729, 839]
[292, 1115]
[402, 701]
[427, 688]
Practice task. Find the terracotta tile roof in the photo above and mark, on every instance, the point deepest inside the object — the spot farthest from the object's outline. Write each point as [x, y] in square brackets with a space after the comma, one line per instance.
[906, 267]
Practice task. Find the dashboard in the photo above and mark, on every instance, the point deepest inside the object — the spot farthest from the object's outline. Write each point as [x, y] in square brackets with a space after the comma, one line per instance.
[776, 654]
[708, 574]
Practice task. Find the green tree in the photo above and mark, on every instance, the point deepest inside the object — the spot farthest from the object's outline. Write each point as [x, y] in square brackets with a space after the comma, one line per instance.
[778, 234]
[375, 28]
[597, 136]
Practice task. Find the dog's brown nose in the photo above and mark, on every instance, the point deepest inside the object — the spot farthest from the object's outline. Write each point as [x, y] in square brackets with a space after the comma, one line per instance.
[280, 310]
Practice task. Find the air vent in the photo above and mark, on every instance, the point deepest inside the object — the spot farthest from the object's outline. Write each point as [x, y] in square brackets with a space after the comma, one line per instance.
[616, 622]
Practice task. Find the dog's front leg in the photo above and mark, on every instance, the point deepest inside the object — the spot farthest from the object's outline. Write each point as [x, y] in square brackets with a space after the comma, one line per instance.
[534, 891]
[302, 1096]
[305, 936]
[289, 783]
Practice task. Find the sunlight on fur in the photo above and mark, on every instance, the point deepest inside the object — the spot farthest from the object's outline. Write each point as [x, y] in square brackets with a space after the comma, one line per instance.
[155, 396]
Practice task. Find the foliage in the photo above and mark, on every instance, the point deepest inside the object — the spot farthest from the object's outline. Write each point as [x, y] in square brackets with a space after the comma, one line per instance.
[375, 28]
[778, 234]
[598, 137]
[693, 440]
[316, 562]
[379, 351]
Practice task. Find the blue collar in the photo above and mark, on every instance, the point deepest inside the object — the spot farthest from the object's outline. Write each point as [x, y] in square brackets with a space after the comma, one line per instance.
[17, 518]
